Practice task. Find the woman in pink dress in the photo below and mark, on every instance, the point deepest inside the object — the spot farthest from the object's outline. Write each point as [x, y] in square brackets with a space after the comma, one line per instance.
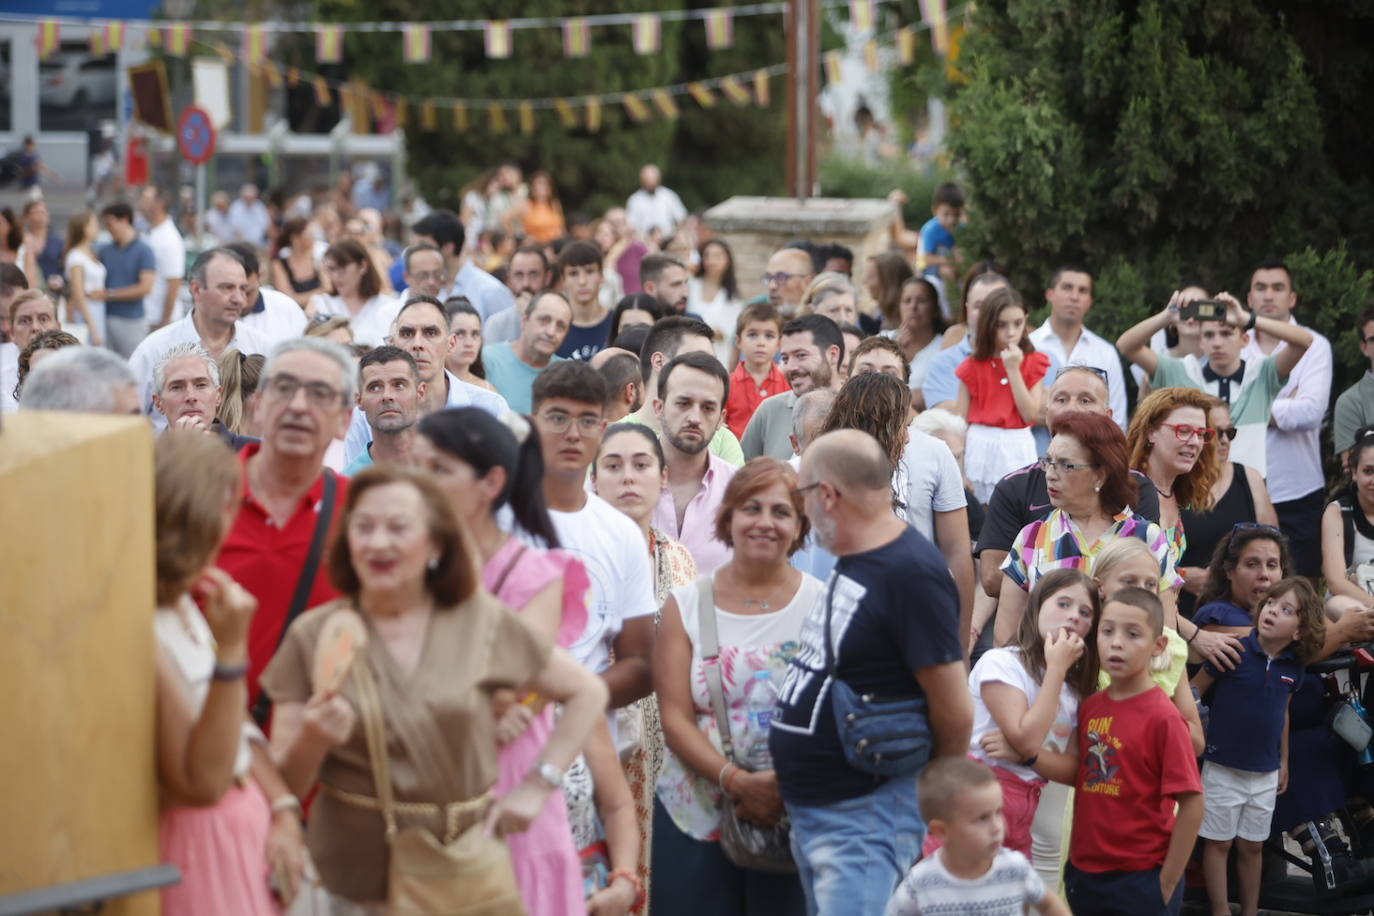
[481, 465]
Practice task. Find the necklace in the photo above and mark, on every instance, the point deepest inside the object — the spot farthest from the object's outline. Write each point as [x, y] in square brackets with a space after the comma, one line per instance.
[762, 605]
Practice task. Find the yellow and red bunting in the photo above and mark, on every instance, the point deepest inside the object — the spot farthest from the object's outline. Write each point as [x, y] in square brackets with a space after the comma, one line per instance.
[329, 44]
[577, 37]
[906, 45]
[526, 115]
[664, 102]
[833, 62]
[114, 36]
[702, 95]
[429, 115]
[863, 14]
[497, 117]
[177, 40]
[635, 108]
[323, 98]
[720, 29]
[97, 43]
[498, 39]
[460, 117]
[593, 115]
[734, 91]
[49, 37]
[154, 38]
[871, 55]
[647, 34]
[254, 44]
[401, 110]
[761, 87]
[935, 14]
[415, 44]
[566, 116]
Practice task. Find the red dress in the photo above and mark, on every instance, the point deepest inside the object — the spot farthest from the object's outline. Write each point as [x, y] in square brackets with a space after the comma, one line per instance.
[990, 398]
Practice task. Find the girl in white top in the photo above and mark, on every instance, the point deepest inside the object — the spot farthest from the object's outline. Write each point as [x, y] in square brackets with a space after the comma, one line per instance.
[357, 293]
[85, 279]
[1029, 691]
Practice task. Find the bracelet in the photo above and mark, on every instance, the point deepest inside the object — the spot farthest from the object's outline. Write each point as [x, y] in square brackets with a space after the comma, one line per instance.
[1030, 761]
[287, 803]
[630, 877]
[228, 672]
[1250, 325]
[730, 783]
[1188, 640]
[720, 779]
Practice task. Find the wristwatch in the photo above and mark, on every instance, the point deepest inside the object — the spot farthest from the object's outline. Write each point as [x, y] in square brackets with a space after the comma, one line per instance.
[550, 774]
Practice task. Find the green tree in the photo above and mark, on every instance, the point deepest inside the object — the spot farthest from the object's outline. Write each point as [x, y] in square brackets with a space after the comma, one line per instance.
[1158, 140]
[701, 150]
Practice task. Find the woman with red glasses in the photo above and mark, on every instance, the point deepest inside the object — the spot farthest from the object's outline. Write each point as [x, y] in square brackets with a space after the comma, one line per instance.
[1239, 495]
[1173, 443]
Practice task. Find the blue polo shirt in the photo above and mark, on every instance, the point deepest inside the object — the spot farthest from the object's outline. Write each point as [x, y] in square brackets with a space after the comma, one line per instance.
[122, 267]
[1222, 614]
[1248, 708]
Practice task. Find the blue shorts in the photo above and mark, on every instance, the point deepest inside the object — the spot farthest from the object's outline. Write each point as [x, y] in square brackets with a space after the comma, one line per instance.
[1118, 893]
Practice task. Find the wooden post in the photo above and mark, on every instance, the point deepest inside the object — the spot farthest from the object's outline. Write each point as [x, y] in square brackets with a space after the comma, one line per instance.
[803, 84]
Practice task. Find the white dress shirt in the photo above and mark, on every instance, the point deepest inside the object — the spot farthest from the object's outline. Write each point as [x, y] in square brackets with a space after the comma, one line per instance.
[1293, 442]
[660, 209]
[145, 357]
[1090, 350]
[486, 293]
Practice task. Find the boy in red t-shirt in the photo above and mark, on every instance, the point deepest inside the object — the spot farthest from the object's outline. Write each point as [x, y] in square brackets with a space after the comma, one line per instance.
[758, 336]
[1130, 761]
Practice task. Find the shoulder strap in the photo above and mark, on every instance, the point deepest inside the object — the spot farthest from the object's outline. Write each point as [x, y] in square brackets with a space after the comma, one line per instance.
[501, 579]
[262, 709]
[1348, 523]
[710, 661]
[374, 728]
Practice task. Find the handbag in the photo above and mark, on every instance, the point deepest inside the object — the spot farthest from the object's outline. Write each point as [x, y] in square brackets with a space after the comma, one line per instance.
[881, 736]
[765, 849]
[468, 874]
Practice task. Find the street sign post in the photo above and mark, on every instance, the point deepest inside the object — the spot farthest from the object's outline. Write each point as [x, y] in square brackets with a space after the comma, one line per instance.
[196, 138]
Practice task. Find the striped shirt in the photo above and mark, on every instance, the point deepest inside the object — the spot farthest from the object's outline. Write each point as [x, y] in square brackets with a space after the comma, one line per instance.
[1056, 543]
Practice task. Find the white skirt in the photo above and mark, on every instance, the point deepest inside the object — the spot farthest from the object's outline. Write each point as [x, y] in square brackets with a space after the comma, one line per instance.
[992, 452]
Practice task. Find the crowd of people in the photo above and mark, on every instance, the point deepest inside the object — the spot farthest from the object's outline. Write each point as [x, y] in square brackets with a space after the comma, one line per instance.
[534, 568]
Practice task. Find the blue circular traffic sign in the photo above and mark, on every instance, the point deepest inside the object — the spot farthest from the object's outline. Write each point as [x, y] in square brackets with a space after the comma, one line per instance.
[196, 135]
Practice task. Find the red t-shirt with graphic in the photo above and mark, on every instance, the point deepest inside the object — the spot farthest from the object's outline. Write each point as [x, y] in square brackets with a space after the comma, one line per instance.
[1134, 757]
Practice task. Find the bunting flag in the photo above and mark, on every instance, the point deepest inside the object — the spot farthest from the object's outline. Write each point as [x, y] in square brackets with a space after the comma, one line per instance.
[871, 55]
[460, 117]
[833, 61]
[702, 95]
[274, 75]
[429, 115]
[498, 39]
[665, 104]
[378, 101]
[526, 113]
[761, 88]
[720, 29]
[647, 32]
[734, 91]
[154, 38]
[225, 52]
[566, 115]
[577, 37]
[97, 43]
[178, 40]
[114, 36]
[293, 79]
[935, 14]
[329, 44]
[402, 111]
[863, 14]
[254, 44]
[635, 108]
[49, 38]
[322, 96]
[498, 118]
[593, 115]
[415, 44]
[906, 45]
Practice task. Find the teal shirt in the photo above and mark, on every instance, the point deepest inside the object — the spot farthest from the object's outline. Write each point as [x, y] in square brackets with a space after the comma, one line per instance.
[511, 376]
[1249, 409]
[364, 460]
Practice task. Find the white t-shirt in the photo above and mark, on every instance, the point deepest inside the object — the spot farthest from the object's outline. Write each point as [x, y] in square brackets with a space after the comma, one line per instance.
[612, 549]
[1006, 889]
[1003, 666]
[169, 251]
[932, 482]
[92, 271]
[372, 324]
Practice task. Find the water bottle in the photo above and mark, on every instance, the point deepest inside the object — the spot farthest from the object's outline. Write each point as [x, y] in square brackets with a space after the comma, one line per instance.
[760, 698]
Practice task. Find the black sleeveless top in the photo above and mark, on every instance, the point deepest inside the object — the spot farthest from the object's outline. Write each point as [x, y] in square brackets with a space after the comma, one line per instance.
[1204, 529]
[299, 286]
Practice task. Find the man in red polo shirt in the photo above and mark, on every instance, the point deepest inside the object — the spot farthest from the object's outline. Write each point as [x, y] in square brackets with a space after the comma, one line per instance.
[304, 399]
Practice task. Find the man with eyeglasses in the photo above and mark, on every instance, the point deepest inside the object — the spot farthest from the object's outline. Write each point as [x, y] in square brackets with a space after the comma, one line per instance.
[568, 407]
[219, 290]
[1068, 342]
[527, 272]
[1355, 406]
[514, 366]
[425, 272]
[290, 499]
[444, 230]
[422, 329]
[786, 277]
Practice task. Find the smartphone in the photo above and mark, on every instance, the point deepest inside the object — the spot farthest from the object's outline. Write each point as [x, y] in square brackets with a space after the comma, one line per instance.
[1203, 310]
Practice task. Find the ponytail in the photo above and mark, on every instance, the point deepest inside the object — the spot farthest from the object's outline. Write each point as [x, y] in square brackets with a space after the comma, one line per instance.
[525, 491]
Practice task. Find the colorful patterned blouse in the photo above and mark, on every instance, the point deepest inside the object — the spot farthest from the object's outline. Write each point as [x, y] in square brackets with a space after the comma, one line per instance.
[1056, 543]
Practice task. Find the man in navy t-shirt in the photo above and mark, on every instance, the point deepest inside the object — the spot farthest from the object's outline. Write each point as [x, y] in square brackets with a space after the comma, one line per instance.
[579, 265]
[894, 632]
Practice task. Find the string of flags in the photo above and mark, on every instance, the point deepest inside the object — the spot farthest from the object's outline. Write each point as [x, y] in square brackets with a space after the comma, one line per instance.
[646, 30]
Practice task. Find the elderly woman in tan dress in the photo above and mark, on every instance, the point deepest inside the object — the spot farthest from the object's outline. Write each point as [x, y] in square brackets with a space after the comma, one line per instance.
[437, 645]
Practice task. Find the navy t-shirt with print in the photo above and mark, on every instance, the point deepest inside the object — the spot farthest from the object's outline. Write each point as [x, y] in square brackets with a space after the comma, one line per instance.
[584, 343]
[896, 610]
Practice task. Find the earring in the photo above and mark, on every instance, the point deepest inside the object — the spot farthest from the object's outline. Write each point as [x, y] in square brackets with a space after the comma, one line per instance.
[1097, 489]
[433, 563]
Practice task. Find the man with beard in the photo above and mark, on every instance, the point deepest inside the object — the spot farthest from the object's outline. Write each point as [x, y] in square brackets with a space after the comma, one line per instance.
[219, 289]
[665, 278]
[389, 395]
[810, 356]
[689, 404]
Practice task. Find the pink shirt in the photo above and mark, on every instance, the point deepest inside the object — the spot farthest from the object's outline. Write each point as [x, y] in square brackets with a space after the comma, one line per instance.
[698, 532]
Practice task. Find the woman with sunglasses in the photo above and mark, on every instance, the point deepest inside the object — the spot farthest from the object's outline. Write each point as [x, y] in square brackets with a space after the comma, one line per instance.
[1238, 495]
